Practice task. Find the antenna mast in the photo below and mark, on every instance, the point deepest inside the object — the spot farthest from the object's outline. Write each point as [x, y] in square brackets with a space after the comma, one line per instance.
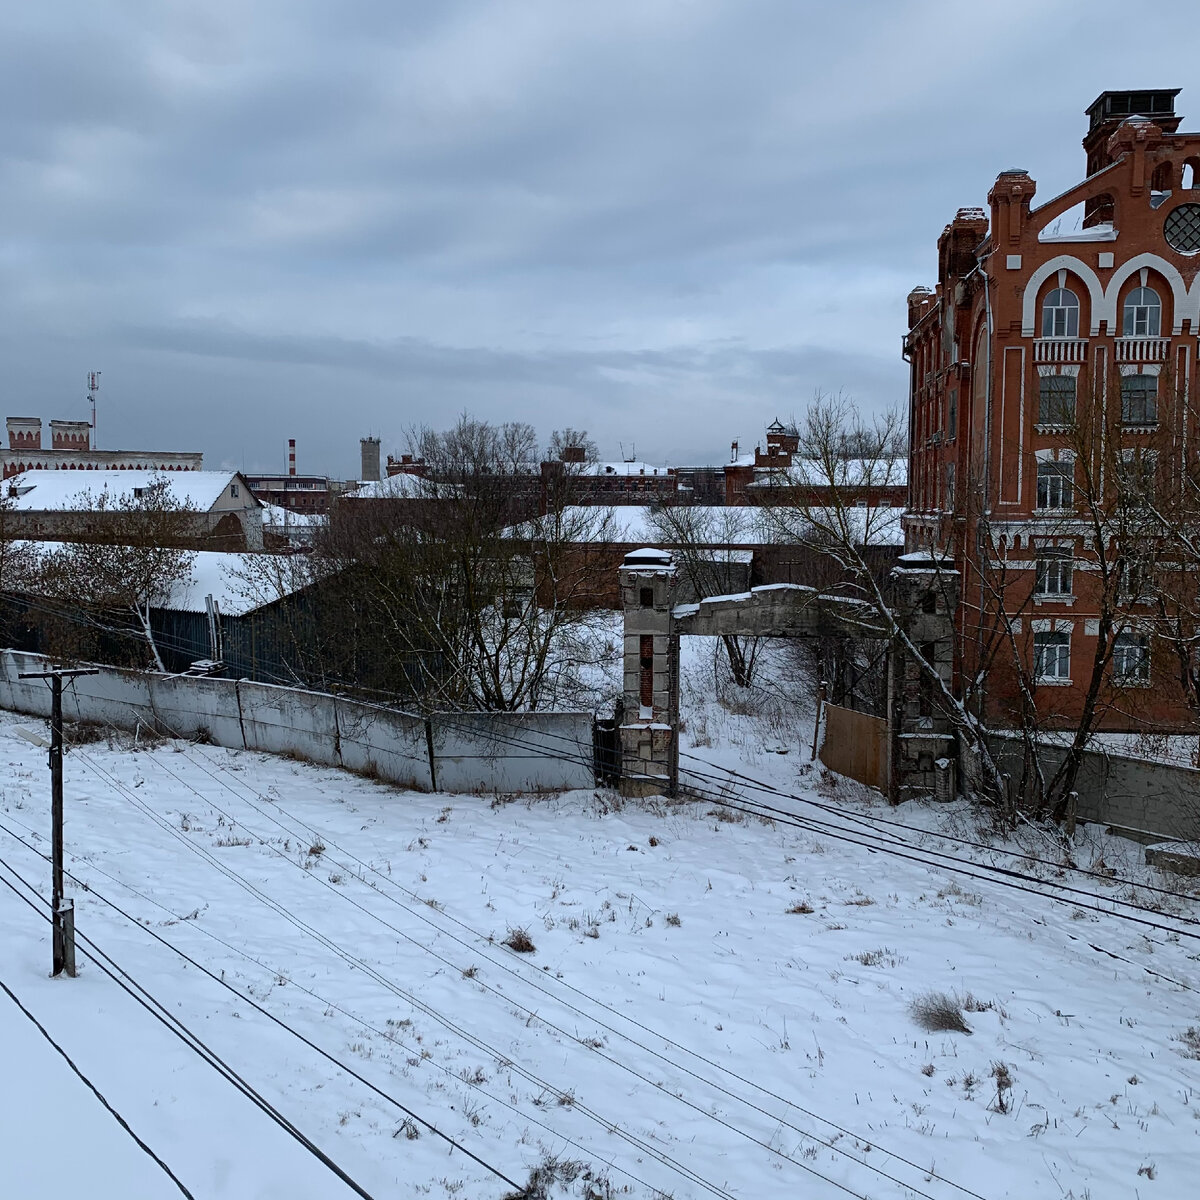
[93, 388]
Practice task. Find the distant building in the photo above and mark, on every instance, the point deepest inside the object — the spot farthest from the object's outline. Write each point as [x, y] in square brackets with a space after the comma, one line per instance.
[71, 450]
[48, 505]
[292, 492]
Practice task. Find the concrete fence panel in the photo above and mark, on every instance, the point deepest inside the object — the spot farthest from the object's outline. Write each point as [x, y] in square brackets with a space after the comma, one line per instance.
[1133, 795]
[855, 745]
[203, 709]
[383, 742]
[280, 720]
[471, 752]
[512, 752]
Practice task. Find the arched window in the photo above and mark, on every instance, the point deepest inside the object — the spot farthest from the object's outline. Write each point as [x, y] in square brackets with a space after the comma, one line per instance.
[1060, 314]
[1142, 316]
[1191, 174]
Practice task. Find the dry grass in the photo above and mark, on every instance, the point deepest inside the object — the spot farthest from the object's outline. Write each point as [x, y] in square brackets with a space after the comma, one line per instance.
[520, 941]
[803, 907]
[938, 1012]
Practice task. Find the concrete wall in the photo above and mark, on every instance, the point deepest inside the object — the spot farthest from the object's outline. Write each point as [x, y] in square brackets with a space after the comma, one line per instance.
[512, 752]
[1130, 793]
[452, 752]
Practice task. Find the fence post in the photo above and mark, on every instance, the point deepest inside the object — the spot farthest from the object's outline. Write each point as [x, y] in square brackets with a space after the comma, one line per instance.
[822, 692]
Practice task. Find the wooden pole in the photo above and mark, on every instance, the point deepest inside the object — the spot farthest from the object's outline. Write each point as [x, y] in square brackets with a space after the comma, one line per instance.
[62, 910]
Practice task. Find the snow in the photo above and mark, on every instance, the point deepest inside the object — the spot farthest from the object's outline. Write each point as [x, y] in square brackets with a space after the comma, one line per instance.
[46, 491]
[713, 999]
[400, 487]
[213, 572]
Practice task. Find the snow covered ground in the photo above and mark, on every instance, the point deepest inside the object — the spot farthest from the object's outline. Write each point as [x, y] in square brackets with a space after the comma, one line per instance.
[715, 1005]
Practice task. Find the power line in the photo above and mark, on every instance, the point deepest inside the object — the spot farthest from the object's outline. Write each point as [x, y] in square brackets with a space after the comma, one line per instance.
[275, 972]
[176, 1027]
[620, 1064]
[535, 983]
[351, 960]
[120, 1120]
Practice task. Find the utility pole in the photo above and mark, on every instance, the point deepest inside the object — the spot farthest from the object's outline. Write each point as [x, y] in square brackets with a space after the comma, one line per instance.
[62, 910]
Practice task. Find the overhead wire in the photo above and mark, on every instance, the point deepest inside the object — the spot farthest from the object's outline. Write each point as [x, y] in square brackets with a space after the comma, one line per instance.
[325, 1001]
[176, 1027]
[121, 1121]
[275, 807]
[574, 1103]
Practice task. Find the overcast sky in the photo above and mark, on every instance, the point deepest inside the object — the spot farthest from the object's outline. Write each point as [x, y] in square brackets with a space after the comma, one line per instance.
[666, 221]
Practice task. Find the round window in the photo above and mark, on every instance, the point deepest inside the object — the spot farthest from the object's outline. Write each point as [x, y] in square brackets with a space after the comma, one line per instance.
[1182, 228]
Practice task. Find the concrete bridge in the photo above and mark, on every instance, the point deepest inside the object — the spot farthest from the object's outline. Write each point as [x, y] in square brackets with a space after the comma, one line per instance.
[922, 597]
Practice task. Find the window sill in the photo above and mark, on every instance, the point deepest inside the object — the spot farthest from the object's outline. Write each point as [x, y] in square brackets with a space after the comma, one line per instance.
[1054, 598]
[1139, 427]
[1128, 682]
[1053, 683]
[1054, 512]
[1053, 427]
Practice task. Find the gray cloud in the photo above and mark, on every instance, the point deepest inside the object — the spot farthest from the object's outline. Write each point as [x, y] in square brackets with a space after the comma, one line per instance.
[664, 220]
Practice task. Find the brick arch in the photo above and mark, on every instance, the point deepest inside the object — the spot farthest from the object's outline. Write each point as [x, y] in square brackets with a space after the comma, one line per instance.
[1183, 303]
[1073, 266]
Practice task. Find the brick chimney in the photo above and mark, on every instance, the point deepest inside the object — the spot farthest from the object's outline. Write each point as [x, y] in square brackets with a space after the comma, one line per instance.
[24, 433]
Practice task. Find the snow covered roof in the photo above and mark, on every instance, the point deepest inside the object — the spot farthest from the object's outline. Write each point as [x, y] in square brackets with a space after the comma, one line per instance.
[67, 491]
[276, 516]
[397, 487]
[620, 468]
[229, 578]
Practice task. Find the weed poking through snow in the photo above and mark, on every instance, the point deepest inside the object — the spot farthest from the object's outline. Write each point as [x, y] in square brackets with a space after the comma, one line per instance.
[520, 941]
[938, 1012]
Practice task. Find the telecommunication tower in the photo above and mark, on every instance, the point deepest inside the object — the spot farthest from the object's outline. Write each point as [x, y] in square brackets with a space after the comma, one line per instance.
[93, 388]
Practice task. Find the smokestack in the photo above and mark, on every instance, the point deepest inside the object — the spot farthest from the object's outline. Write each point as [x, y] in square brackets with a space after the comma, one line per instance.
[370, 459]
[291, 456]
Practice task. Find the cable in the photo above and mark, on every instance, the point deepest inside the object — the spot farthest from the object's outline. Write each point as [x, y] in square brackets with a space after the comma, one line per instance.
[760, 785]
[410, 997]
[120, 1120]
[189, 1039]
[275, 972]
[535, 983]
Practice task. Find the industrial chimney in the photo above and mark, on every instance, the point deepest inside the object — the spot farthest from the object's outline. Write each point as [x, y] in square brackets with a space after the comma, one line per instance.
[370, 459]
[291, 456]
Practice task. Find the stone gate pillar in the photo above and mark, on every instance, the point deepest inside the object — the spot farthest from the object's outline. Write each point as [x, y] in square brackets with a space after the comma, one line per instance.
[649, 735]
[925, 592]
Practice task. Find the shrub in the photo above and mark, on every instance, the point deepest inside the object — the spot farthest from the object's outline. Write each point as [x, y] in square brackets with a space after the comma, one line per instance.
[937, 1012]
[520, 941]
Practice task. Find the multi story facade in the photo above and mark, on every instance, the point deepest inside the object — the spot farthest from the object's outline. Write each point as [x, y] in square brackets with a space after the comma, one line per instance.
[1054, 361]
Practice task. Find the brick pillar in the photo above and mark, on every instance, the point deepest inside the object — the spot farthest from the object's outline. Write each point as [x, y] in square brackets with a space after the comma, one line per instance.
[925, 595]
[649, 735]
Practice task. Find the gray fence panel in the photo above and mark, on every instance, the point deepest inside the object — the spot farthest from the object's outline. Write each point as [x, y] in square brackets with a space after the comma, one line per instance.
[380, 741]
[512, 752]
[279, 720]
[1115, 789]
[473, 752]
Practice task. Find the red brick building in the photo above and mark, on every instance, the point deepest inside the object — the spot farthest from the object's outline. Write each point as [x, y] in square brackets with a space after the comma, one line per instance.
[71, 449]
[1061, 339]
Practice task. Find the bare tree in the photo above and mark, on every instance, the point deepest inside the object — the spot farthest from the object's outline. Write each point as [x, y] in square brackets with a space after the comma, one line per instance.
[706, 542]
[466, 596]
[135, 569]
[825, 502]
[561, 440]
